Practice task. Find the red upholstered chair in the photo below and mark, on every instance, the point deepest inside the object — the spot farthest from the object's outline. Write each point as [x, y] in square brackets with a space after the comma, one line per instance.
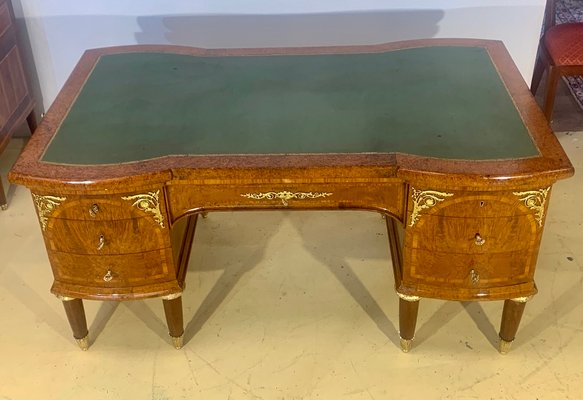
[560, 52]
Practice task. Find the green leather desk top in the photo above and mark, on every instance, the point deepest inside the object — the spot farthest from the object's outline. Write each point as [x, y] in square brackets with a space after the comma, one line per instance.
[444, 102]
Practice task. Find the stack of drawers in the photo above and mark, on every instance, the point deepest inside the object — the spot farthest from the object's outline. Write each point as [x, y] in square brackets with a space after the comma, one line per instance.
[115, 245]
[468, 245]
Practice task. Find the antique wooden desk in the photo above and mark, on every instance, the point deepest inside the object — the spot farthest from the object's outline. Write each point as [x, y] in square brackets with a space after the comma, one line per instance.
[441, 136]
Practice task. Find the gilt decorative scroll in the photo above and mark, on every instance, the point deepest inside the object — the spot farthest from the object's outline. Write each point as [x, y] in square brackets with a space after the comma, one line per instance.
[424, 199]
[148, 202]
[45, 205]
[285, 196]
[535, 200]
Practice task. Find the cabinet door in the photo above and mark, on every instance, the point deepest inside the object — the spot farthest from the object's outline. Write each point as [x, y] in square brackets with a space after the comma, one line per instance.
[13, 88]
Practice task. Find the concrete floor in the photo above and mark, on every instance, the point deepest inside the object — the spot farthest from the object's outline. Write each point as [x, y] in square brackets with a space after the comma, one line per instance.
[293, 305]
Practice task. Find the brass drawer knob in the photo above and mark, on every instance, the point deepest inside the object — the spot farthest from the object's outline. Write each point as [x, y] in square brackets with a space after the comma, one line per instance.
[479, 240]
[101, 242]
[474, 277]
[108, 276]
[93, 210]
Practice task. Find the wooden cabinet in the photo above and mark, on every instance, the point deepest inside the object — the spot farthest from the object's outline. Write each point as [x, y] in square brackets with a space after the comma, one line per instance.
[16, 104]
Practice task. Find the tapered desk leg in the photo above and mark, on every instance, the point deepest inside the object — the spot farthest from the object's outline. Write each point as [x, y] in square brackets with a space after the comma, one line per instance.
[174, 319]
[76, 316]
[408, 308]
[511, 316]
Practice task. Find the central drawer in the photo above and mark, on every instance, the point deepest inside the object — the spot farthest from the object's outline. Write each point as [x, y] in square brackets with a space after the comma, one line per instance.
[388, 196]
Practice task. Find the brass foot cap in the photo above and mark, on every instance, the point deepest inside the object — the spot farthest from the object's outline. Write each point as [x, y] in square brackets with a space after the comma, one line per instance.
[177, 341]
[4, 207]
[504, 346]
[83, 343]
[406, 344]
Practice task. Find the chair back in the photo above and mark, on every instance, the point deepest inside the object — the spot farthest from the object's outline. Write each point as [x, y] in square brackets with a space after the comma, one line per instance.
[550, 18]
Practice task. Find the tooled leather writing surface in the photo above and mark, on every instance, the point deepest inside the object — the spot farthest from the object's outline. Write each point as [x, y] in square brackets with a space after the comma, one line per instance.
[444, 102]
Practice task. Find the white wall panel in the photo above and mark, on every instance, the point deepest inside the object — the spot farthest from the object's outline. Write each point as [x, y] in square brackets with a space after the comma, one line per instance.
[58, 31]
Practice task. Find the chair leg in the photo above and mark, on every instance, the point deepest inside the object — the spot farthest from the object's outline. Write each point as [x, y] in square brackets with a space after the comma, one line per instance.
[539, 69]
[551, 91]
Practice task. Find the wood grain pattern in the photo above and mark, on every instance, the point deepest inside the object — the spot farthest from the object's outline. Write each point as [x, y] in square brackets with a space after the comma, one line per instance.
[105, 237]
[385, 196]
[474, 235]
[126, 270]
[100, 207]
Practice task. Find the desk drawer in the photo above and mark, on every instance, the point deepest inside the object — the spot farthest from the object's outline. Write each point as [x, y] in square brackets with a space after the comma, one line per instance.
[105, 207]
[387, 196]
[490, 270]
[105, 237]
[476, 204]
[113, 270]
[5, 18]
[474, 235]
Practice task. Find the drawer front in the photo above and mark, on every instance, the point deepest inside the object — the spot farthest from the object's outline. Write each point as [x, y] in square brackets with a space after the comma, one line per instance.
[105, 237]
[103, 208]
[387, 196]
[5, 18]
[477, 204]
[468, 271]
[474, 235]
[113, 270]
[13, 88]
